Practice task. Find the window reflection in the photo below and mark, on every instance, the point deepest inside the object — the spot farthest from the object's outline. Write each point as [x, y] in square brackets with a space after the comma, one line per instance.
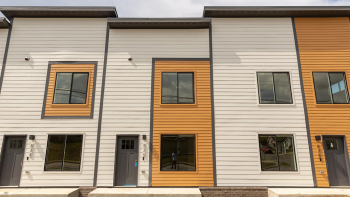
[274, 88]
[330, 87]
[177, 88]
[277, 153]
[178, 153]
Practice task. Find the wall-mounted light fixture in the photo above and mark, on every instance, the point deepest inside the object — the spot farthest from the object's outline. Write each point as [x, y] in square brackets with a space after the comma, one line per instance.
[130, 58]
[318, 137]
[32, 137]
[144, 137]
[27, 58]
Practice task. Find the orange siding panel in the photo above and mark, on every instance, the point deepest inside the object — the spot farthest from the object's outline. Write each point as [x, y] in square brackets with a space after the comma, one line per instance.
[184, 119]
[324, 45]
[69, 109]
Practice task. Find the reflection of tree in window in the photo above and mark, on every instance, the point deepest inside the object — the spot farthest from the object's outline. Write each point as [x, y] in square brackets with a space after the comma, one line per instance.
[277, 153]
[185, 152]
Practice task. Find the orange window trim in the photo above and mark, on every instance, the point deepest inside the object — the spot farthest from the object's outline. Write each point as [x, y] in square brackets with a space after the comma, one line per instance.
[69, 109]
[324, 47]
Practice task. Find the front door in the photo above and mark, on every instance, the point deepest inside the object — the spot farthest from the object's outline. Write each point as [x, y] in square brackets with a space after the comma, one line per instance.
[127, 161]
[336, 161]
[12, 160]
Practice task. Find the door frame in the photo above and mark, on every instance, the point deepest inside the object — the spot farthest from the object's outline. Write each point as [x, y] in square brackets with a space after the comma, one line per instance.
[346, 154]
[3, 151]
[116, 157]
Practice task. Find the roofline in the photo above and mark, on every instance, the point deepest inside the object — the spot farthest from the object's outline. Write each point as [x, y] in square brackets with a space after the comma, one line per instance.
[159, 23]
[59, 11]
[275, 11]
[4, 24]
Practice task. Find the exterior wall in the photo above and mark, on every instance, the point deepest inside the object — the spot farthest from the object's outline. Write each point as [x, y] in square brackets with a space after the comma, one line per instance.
[127, 99]
[21, 99]
[241, 47]
[184, 119]
[324, 46]
[3, 40]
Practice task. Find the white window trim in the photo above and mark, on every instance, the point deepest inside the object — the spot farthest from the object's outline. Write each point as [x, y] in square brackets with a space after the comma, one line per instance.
[291, 88]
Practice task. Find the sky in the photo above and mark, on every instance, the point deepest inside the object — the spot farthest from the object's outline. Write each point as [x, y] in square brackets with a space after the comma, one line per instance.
[170, 8]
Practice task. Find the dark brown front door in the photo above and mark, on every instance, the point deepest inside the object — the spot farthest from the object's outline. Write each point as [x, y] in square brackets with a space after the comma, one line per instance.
[336, 161]
[127, 161]
[12, 160]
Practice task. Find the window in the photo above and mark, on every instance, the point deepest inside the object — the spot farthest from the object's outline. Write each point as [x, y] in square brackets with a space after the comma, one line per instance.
[332, 145]
[178, 153]
[63, 153]
[128, 144]
[16, 144]
[70, 88]
[274, 88]
[330, 87]
[177, 87]
[277, 153]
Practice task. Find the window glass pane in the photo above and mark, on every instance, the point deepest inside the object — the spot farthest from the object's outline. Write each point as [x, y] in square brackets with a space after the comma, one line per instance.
[73, 153]
[79, 88]
[322, 88]
[268, 153]
[62, 88]
[169, 152]
[187, 153]
[20, 144]
[169, 87]
[55, 152]
[265, 83]
[132, 144]
[338, 87]
[332, 145]
[286, 155]
[282, 88]
[123, 144]
[12, 144]
[185, 87]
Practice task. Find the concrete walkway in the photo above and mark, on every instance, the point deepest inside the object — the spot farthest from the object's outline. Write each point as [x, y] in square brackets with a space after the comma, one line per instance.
[149, 192]
[41, 192]
[308, 192]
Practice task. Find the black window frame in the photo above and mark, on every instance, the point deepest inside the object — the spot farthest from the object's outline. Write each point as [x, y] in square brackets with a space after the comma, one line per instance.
[177, 88]
[71, 89]
[274, 94]
[278, 160]
[47, 153]
[330, 85]
[177, 150]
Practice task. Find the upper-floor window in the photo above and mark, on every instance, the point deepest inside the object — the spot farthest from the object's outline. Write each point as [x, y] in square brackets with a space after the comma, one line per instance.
[70, 88]
[330, 87]
[177, 87]
[274, 88]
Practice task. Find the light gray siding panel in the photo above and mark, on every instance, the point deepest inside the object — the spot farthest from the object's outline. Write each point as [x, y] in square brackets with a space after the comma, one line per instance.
[127, 98]
[241, 47]
[21, 99]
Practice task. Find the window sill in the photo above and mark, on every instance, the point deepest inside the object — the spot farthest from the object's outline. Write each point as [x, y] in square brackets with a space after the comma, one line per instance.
[62, 172]
[276, 105]
[332, 105]
[177, 105]
[69, 105]
[279, 172]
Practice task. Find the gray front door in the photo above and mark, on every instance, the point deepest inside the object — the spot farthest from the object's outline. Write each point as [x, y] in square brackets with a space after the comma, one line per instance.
[12, 160]
[127, 161]
[336, 161]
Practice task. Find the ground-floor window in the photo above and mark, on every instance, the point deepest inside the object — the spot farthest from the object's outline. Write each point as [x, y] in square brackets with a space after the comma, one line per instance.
[63, 153]
[277, 153]
[178, 153]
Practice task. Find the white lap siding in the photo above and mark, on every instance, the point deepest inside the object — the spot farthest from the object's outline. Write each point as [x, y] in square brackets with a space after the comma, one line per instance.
[3, 40]
[241, 47]
[21, 99]
[127, 98]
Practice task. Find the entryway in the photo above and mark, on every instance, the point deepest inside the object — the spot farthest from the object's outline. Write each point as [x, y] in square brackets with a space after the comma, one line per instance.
[127, 161]
[337, 162]
[12, 160]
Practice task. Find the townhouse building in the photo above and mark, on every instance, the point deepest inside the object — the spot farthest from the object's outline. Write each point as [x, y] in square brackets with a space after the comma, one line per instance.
[243, 96]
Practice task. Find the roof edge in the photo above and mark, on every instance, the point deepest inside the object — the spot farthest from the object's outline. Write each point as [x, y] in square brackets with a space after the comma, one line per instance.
[4, 24]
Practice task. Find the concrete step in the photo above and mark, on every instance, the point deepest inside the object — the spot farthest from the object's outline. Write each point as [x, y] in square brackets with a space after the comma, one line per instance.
[143, 192]
[308, 192]
[40, 192]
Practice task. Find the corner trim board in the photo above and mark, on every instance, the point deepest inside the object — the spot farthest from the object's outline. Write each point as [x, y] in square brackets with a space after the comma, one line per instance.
[212, 103]
[47, 86]
[101, 108]
[2, 74]
[304, 103]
